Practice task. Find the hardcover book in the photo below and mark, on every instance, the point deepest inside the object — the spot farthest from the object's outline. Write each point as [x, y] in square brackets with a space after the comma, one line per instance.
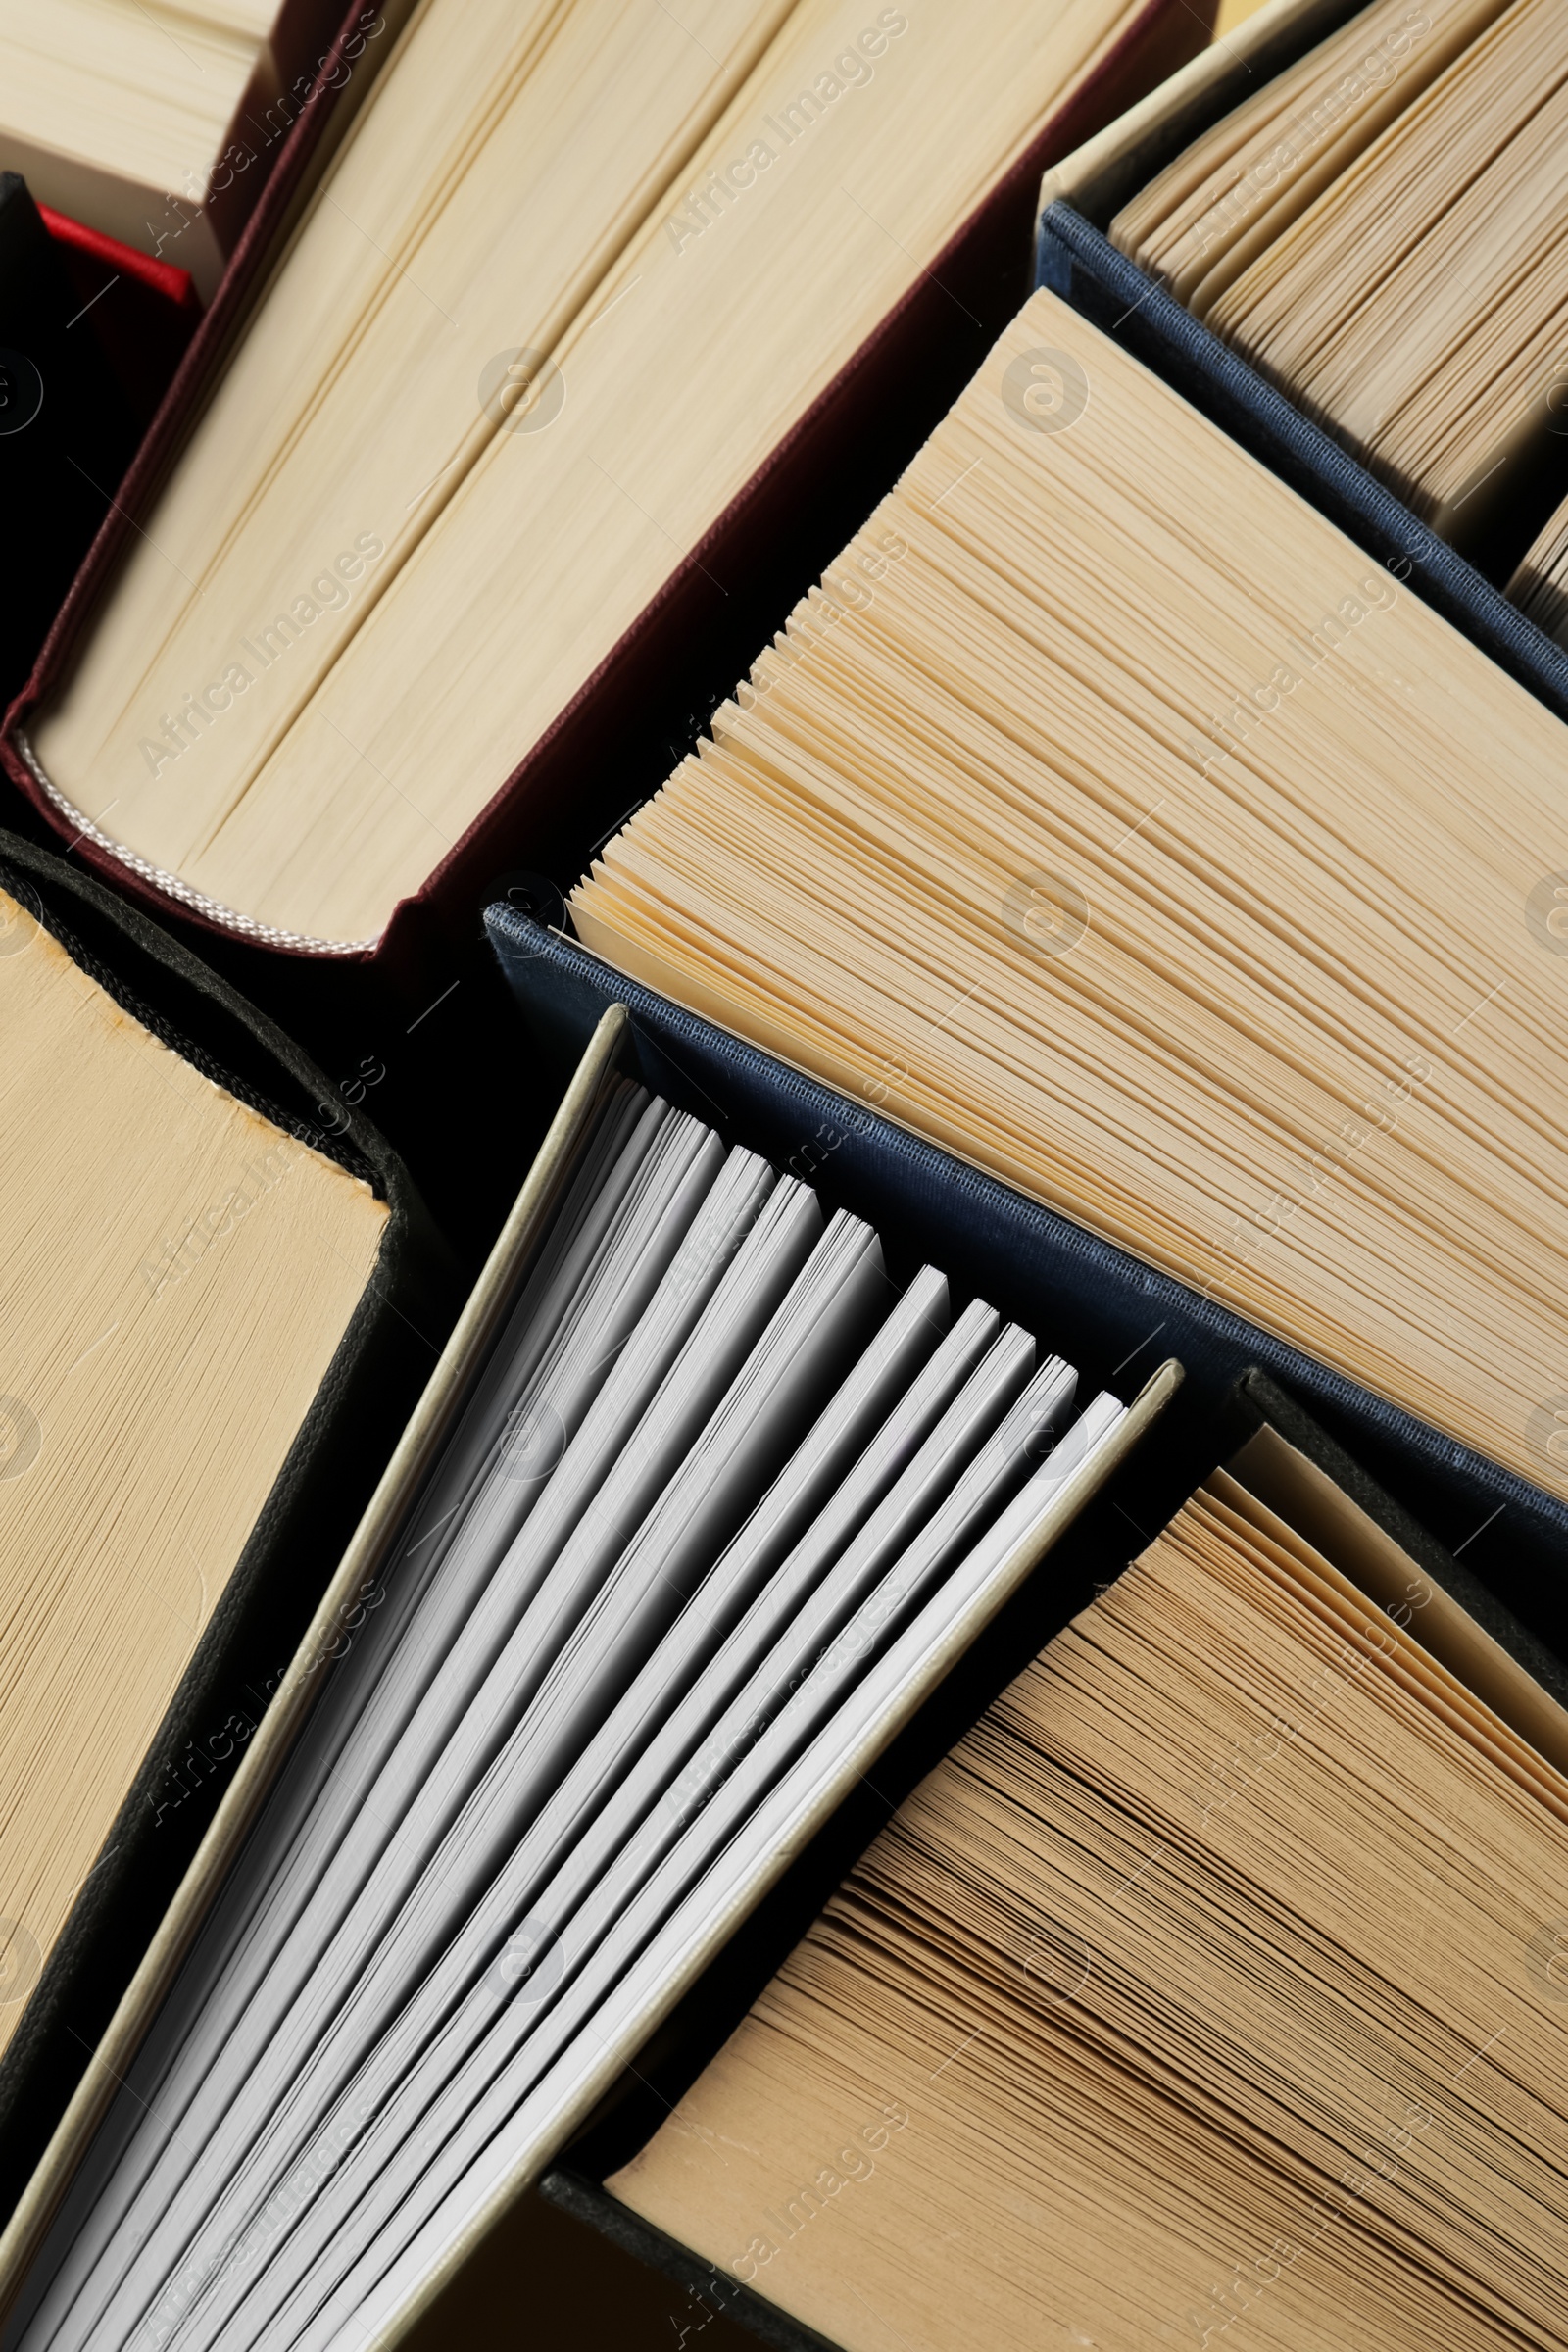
[1112, 1308]
[629, 204]
[212, 1328]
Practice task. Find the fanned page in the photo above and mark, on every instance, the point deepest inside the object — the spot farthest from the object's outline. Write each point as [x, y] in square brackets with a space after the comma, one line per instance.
[1110, 817]
[1540, 585]
[178, 1273]
[1211, 1992]
[722, 1490]
[1385, 240]
[584, 268]
[1228, 196]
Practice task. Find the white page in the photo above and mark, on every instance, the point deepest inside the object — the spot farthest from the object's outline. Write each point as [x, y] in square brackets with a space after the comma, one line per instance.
[600, 1634]
[622, 1752]
[431, 1676]
[611, 1473]
[616, 1162]
[963, 1479]
[466, 2142]
[358, 2312]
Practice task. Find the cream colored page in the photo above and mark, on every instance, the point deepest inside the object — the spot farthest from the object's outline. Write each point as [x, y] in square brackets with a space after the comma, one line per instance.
[1537, 587]
[177, 1275]
[1339, 1247]
[1274, 838]
[356, 405]
[365, 221]
[1286, 1483]
[251, 20]
[1301, 1054]
[716, 339]
[1410, 363]
[146, 92]
[1187, 219]
[1442, 399]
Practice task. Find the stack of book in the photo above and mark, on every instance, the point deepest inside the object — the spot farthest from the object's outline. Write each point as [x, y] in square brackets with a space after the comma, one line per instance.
[912, 1660]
